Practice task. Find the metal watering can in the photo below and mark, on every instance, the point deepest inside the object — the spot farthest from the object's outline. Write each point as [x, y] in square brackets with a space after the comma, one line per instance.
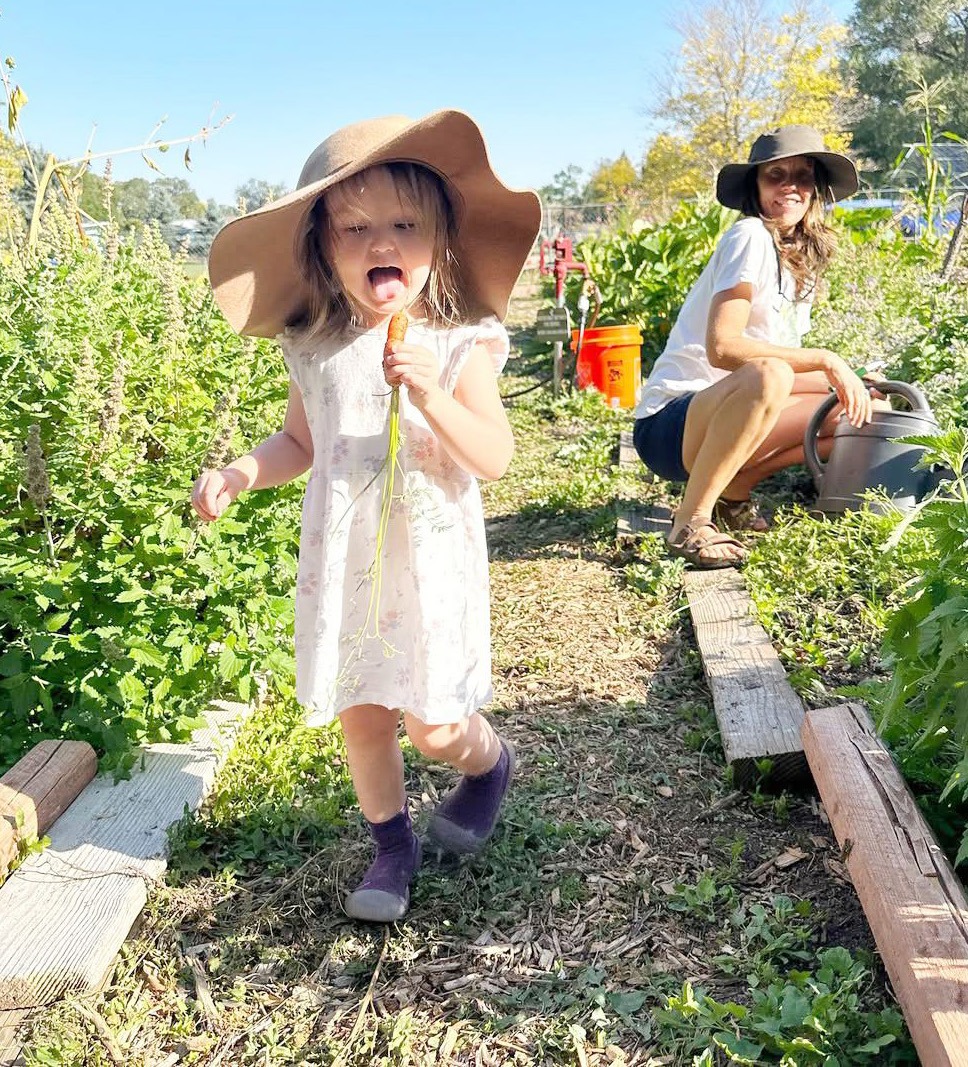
[870, 457]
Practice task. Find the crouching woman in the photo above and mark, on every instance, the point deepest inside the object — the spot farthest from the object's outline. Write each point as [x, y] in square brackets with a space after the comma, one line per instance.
[727, 402]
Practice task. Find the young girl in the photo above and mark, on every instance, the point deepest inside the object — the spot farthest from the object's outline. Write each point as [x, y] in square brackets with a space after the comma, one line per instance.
[389, 215]
[729, 399]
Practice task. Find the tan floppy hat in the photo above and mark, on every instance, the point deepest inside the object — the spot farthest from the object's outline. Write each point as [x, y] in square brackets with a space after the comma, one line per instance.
[252, 263]
[782, 143]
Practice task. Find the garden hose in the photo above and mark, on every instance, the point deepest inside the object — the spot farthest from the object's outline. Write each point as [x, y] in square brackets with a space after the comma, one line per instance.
[588, 290]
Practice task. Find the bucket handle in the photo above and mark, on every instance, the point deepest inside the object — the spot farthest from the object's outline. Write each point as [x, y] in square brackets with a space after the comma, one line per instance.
[811, 456]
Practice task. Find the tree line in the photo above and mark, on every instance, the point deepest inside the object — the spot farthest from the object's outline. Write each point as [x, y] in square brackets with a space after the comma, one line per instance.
[746, 66]
[743, 66]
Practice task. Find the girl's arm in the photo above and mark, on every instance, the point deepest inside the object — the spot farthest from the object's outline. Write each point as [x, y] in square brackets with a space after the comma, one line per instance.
[472, 425]
[728, 348]
[277, 460]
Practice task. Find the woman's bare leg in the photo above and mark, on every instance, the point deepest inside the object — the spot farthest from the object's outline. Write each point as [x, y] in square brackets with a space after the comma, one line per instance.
[725, 425]
[783, 446]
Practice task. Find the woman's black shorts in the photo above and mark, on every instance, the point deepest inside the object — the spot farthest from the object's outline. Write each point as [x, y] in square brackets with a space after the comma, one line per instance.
[658, 439]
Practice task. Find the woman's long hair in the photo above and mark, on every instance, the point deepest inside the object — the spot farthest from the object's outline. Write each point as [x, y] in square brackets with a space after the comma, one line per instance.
[329, 311]
[805, 250]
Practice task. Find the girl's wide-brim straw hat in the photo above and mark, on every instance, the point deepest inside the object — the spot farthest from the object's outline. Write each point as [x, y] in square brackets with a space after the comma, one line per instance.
[783, 143]
[252, 264]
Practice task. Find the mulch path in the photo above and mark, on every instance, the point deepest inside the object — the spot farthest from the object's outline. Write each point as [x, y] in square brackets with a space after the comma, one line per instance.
[570, 926]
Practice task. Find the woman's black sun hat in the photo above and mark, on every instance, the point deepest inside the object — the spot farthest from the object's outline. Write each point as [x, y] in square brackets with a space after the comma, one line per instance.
[783, 143]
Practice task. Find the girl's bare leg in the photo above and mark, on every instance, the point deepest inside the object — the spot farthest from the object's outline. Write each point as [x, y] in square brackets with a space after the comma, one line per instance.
[376, 766]
[375, 760]
[471, 745]
[465, 819]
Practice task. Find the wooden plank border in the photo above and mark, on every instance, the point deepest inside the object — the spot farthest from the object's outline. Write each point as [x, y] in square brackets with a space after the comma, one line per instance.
[915, 904]
[759, 714]
[10, 1046]
[38, 788]
[65, 913]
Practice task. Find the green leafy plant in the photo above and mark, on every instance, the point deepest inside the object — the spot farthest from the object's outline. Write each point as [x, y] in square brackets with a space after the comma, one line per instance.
[823, 589]
[927, 199]
[803, 1018]
[121, 617]
[645, 272]
[923, 709]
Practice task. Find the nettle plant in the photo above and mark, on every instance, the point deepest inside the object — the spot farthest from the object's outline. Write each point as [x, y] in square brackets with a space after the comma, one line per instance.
[923, 710]
[120, 615]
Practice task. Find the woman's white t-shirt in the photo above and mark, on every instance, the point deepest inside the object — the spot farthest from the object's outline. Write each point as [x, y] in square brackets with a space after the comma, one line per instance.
[746, 253]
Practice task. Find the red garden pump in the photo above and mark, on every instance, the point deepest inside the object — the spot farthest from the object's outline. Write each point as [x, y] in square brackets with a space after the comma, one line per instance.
[563, 262]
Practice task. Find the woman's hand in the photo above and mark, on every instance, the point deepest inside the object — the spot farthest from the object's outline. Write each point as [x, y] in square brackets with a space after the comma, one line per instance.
[851, 391]
[415, 367]
[215, 490]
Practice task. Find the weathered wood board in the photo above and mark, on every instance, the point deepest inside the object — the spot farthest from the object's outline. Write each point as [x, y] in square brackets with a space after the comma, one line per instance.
[43, 784]
[627, 456]
[636, 519]
[65, 913]
[8, 847]
[10, 1047]
[759, 714]
[915, 904]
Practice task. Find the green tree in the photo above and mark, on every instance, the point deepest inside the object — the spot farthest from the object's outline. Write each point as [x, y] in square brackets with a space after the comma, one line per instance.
[894, 45]
[745, 66]
[566, 187]
[177, 194]
[92, 199]
[256, 192]
[131, 202]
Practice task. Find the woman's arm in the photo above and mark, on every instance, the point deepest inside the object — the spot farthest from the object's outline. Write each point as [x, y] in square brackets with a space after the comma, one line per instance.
[728, 348]
[472, 424]
[279, 459]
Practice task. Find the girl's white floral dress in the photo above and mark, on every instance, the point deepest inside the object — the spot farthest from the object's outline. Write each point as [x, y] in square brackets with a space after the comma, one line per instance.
[431, 654]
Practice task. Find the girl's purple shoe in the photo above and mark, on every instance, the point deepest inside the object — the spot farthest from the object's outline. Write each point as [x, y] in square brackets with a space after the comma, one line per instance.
[465, 819]
[384, 894]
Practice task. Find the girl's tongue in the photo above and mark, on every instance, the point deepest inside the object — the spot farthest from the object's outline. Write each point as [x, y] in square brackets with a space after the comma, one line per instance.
[386, 282]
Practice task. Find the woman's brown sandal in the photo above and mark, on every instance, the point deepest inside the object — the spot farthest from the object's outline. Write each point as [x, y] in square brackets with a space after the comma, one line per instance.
[739, 515]
[693, 540]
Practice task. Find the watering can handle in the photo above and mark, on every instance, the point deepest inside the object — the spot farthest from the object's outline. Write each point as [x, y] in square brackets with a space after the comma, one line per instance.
[811, 456]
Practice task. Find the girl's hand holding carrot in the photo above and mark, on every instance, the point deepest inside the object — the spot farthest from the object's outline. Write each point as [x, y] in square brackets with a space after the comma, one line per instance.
[411, 365]
[415, 367]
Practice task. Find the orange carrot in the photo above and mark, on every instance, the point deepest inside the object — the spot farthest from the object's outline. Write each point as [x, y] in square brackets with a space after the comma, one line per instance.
[396, 331]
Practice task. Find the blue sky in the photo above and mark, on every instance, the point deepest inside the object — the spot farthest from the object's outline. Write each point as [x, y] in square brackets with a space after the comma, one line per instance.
[550, 84]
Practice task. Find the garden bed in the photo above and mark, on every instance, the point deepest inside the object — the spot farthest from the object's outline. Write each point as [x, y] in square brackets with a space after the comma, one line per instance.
[631, 895]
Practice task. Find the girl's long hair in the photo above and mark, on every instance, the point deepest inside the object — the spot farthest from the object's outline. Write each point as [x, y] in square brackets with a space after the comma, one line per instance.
[329, 311]
[807, 249]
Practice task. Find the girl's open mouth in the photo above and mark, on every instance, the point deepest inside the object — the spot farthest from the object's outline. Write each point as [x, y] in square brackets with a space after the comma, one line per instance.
[386, 282]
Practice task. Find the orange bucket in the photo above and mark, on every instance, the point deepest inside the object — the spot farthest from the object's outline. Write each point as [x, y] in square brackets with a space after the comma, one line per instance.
[610, 361]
